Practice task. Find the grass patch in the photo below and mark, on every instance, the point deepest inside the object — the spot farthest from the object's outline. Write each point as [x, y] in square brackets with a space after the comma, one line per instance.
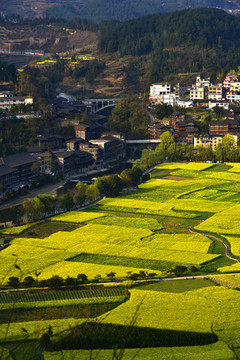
[124, 261]
[177, 286]
[214, 265]
[56, 312]
[218, 168]
[47, 228]
[23, 350]
[159, 173]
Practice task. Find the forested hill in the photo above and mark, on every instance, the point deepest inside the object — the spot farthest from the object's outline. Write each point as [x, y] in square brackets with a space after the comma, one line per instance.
[184, 41]
[98, 10]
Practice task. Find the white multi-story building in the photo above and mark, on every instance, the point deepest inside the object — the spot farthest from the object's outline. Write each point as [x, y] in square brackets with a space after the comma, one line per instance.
[233, 97]
[158, 90]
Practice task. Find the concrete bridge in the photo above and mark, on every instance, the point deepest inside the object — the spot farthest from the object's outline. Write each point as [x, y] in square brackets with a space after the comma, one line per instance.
[97, 105]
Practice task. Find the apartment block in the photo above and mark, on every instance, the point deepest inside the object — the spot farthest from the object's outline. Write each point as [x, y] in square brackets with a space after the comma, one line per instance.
[215, 92]
[210, 140]
[197, 93]
[158, 90]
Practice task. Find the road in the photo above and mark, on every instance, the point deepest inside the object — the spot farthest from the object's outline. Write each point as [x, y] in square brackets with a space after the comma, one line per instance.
[32, 193]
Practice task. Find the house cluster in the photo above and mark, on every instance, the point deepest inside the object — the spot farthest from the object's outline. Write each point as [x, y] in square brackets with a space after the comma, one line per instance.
[202, 93]
[8, 100]
[93, 146]
[186, 131]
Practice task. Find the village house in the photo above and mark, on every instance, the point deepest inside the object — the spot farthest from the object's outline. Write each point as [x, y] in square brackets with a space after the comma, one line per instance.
[87, 131]
[6, 102]
[50, 142]
[73, 144]
[95, 150]
[224, 127]
[223, 104]
[16, 170]
[198, 93]
[210, 140]
[156, 129]
[229, 79]
[215, 92]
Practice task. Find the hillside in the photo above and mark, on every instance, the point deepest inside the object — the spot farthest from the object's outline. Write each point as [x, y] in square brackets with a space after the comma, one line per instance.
[105, 9]
[48, 38]
[159, 47]
[193, 40]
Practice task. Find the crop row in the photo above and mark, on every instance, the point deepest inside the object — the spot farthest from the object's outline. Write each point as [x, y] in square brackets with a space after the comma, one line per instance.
[14, 297]
[62, 303]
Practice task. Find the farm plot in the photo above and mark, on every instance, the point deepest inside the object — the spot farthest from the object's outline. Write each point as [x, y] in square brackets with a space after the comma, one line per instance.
[218, 351]
[68, 268]
[234, 242]
[176, 311]
[129, 222]
[37, 296]
[77, 216]
[184, 311]
[24, 331]
[232, 281]
[21, 265]
[234, 167]
[16, 230]
[213, 195]
[148, 252]
[141, 207]
[225, 222]
[185, 166]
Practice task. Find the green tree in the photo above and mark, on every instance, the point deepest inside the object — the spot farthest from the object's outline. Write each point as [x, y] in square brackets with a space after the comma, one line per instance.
[130, 118]
[55, 281]
[82, 278]
[163, 110]
[109, 185]
[66, 202]
[48, 203]
[111, 275]
[92, 192]
[131, 177]
[28, 281]
[13, 282]
[80, 193]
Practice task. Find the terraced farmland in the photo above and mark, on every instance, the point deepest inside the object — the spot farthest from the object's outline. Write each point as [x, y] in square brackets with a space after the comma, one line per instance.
[147, 231]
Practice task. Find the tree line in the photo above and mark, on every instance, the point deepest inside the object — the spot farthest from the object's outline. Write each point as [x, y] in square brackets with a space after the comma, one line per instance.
[46, 205]
[169, 150]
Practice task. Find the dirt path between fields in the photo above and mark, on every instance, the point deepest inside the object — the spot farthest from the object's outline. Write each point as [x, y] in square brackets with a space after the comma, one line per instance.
[219, 240]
